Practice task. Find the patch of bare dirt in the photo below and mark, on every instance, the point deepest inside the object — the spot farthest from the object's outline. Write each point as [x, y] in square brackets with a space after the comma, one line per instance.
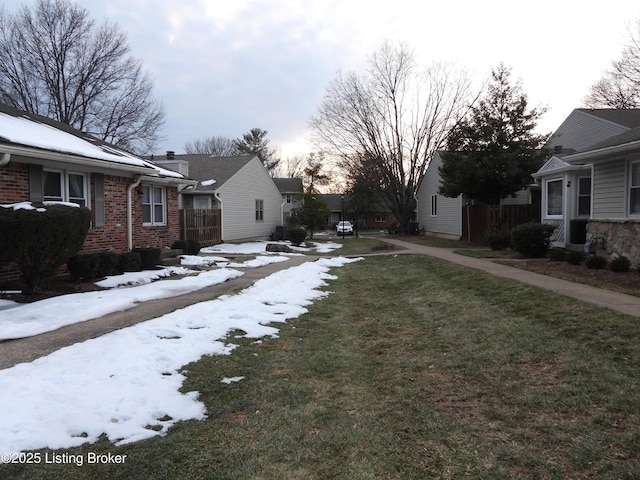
[624, 282]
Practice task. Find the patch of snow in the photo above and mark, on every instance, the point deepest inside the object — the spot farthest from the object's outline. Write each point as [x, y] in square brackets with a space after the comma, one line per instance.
[207, 183]
[129, 279]
[36, 318]
[129, 380]
[227, 380]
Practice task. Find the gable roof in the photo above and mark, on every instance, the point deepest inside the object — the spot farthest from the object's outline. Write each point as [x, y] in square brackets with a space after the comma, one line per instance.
[35, 136]
[289, 185]
[627, 117]
[212, 172]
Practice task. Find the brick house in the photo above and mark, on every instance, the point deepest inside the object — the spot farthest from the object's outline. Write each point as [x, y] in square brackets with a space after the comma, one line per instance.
[133, 202]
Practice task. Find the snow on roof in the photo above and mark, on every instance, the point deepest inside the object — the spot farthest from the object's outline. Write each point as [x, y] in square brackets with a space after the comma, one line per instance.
[26, 131]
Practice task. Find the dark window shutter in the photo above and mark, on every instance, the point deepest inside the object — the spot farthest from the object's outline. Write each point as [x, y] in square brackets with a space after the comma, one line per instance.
[98, 204]
[35, 183]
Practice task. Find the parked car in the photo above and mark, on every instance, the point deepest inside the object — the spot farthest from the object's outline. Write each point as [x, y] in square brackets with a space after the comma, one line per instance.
[345, 228]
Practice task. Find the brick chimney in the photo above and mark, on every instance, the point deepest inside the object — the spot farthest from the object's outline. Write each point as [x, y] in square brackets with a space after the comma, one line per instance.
[171, 155]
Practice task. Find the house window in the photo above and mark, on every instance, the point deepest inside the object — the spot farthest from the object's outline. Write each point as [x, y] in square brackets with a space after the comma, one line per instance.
[554, 198]
[289, 198]
[434, 205]
[153, 205]
[259, 210]
[634, 189]
[60, 186]
[380, 219]
[201, 202]
[584, 196]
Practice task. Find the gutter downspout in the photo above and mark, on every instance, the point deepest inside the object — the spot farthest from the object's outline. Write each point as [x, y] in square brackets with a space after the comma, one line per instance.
[130, 188]
[219, 200]
[4, 159]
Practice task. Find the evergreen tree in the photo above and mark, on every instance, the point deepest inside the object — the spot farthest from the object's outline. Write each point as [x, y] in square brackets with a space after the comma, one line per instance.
[492, 152]
[255, 142]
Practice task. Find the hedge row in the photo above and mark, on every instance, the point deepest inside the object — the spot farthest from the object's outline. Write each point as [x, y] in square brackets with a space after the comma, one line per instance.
[41, 238]
[90, 266]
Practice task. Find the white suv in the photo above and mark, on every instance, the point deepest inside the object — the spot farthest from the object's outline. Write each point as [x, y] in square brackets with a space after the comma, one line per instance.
[345, 228]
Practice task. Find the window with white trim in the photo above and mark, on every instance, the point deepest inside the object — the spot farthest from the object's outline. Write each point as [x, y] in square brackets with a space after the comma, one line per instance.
[153, 205]
[634, 189]
[434, 205]
[259, 210]
[554, 198]
[62, 186]
[584, 196]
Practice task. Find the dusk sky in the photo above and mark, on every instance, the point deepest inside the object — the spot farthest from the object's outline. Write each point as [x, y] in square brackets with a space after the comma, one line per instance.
[222, 67]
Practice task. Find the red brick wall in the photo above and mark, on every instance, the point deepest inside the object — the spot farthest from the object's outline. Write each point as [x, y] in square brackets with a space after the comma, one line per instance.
[14, 187]
[14, 183]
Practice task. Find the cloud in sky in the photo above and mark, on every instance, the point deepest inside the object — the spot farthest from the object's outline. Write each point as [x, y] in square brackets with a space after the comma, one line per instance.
[223, 67]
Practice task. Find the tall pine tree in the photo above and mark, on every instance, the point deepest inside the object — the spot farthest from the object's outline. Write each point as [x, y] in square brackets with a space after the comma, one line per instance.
[492, 153]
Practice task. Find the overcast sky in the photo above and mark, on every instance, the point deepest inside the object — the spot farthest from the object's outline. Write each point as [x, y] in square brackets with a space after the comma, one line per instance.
[222, 67]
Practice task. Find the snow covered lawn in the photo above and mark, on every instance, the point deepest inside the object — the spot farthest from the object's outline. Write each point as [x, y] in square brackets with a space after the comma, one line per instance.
[126, 384]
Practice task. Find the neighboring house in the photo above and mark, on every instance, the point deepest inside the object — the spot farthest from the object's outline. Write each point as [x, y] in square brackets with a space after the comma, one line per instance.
[438, 215]
[133, 202]
[613, 169]
[372, 216]
[442, 216]
[240, 187]
[291, 190]
[587, 186]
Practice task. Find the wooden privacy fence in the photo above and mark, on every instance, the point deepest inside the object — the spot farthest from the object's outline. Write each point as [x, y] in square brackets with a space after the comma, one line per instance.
[202, 225]
[478, 221]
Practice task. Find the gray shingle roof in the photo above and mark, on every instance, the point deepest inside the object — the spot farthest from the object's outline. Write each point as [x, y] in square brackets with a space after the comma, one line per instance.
[203, 167]
[629, 118]
[289, 185]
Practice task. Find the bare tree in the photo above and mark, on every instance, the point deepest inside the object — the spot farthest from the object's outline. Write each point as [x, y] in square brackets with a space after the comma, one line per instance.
[619, 87]
[291, 167]
[217, 145]
[55, 61]
[385, 125]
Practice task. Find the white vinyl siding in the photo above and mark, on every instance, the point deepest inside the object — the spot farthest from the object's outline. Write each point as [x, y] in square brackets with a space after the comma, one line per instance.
[609, 190]
[448, 221]
[239, 195]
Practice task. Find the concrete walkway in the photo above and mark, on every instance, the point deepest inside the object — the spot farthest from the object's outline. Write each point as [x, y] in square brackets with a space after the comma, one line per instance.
[619, 302]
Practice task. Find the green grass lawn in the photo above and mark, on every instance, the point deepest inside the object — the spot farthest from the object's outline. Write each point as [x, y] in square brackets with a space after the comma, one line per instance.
[412, 368]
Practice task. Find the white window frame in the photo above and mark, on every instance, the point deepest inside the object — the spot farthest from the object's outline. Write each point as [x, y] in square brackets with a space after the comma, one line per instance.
[546, 198]
[580, 195]
[434, 205]
[152, 204]
[64, 187]
[633, 188]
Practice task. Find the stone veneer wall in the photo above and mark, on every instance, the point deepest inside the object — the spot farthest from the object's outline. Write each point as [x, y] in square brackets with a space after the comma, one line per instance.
[616, 237]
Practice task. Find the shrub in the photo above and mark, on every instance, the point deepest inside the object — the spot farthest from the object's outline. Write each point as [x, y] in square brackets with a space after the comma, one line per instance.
[296, 235]
[575, 258]
[620, 264]
[41, 240]
[83, 267]
[596, 262]
[188, 247]
[532, 239]
[557, 255]
[499, 240]
[108, 264]
[193, 247]
[149, 257]
[130, 262]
